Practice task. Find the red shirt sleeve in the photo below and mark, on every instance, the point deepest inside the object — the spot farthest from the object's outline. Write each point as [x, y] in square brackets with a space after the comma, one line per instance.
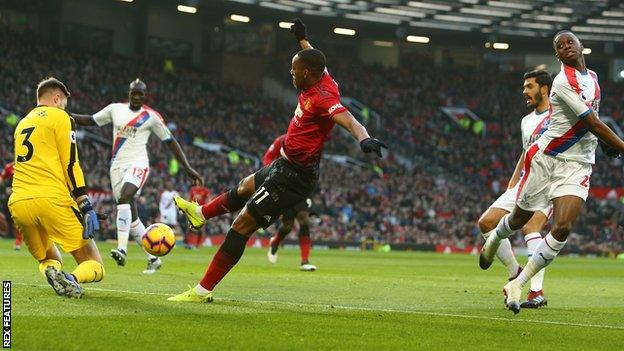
[273, 152]
[328, 104]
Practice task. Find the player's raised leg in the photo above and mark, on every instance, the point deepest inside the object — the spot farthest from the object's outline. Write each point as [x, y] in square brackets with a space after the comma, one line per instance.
[487, 225]
[532, 237]
[227, 202]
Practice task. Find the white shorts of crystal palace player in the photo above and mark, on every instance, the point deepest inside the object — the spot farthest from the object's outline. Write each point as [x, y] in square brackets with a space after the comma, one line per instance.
[547, 177]
[134, 174]
[507, 202]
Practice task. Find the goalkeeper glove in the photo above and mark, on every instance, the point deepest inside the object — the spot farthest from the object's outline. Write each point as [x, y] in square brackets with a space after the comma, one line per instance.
[299, 30]
[90, 221]
[371, 144]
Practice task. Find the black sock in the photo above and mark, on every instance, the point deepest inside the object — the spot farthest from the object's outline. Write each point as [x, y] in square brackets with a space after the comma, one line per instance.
[234, 201]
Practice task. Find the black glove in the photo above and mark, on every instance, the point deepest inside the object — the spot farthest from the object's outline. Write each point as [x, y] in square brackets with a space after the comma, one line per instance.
[608, 150]
[299, 30]
[371, 144]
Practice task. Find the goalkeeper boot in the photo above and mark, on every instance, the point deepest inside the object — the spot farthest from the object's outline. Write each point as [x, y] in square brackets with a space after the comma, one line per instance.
[191, 296]
[192, 211]
[119, 255]
[153, 264]
[64, 284]
[51, 273]
[535, 299]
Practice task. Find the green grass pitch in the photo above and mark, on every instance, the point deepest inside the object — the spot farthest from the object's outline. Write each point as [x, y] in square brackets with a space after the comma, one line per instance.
[356, 300]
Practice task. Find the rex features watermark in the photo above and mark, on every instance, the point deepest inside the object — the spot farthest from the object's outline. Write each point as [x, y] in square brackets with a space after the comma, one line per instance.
[6, 314]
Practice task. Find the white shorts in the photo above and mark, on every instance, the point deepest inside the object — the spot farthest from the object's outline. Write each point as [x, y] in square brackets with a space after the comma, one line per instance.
[547, 177]
[169, 217]
[133, 174]
[507, 202]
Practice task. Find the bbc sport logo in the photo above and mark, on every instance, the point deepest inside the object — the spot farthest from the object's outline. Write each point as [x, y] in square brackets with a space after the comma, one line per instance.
[6, 314]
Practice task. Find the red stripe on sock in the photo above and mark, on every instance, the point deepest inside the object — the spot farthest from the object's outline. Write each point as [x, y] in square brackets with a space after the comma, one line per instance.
[305, 243]
[221, 264]
[216, 207]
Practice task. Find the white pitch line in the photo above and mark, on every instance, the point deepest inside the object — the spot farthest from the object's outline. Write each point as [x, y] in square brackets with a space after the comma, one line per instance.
[365, 309]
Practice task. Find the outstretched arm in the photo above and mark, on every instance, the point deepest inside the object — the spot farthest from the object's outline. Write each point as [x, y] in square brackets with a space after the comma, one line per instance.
[346, 120]
[176, 150]
[603, 132]
[300, 32]
[83, 120]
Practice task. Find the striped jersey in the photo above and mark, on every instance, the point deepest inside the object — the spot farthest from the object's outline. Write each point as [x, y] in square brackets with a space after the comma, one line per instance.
[574, 95]
[533, 126]
[131, 130]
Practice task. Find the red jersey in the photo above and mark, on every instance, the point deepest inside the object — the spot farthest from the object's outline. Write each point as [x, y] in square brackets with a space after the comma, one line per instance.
[312, 122]
[7, 172]
[199, 193]
[273, 152]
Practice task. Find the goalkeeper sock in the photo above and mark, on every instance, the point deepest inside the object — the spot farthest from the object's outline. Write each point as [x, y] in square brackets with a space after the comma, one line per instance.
[124, 215]
[228, 255]
[90, 271]
[532, 241]
[50, 262]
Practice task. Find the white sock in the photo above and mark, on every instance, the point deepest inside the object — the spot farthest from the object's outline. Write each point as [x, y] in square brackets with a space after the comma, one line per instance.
[200, 290]
[545, 252]
[124, 216]
[503, 231]
[532, 241]
[505, 254]
[137, 229]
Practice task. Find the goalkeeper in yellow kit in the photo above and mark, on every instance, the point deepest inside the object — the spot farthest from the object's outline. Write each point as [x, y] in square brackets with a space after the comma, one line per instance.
[47, 174]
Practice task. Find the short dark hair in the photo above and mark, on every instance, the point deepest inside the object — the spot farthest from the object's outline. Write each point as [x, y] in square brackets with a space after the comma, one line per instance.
[542, 78]
[313, 59]
[50, 84]
[563, 31]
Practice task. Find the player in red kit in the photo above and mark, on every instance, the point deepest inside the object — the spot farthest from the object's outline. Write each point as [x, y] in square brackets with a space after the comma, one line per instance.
[6, 178]
[201, 195]
[300, 212]
[263, 196]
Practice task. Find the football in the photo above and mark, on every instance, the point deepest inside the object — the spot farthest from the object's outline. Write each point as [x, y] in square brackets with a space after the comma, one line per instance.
[158, 239]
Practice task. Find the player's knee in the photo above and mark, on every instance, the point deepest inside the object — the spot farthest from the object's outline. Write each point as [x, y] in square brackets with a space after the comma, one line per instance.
[125, 198]
[303, 218]
[100, 273]
[561, 230]
[244, 223]
[246, 187]
[486, 223]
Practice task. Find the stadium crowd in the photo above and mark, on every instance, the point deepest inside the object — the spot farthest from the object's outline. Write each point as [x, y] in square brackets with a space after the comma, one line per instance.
[435, 200]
